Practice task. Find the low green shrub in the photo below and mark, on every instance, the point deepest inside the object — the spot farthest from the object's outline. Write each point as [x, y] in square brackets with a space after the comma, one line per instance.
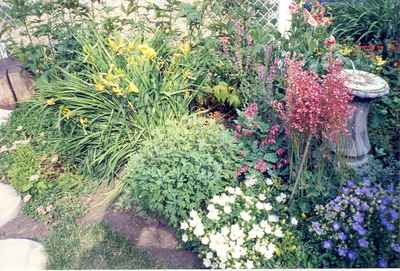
[182, 166]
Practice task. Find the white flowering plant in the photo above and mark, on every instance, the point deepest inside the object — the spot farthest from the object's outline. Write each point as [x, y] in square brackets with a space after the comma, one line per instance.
[244, 227]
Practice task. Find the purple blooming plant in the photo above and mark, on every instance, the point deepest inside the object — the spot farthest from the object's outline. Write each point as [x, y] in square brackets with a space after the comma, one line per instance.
[360, 227]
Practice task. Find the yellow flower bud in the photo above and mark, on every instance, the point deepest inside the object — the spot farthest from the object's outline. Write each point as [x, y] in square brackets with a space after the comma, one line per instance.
[132, 88]
[51, 101]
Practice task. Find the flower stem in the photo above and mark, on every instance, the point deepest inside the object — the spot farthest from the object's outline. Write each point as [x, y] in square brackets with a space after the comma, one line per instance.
[301, 168]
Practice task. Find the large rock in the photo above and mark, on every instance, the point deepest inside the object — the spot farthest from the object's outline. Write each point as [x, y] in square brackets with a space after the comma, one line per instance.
[22, 254]
[4, 116]
[10, 204]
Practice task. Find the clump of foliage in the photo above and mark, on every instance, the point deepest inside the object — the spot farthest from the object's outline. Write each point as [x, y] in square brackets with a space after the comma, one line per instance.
[247, 226]
[183, 165]
[367, 21]
[128, 87]
[360, 227]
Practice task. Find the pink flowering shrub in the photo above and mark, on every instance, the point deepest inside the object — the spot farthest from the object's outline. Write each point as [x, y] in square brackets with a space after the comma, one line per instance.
[316, 106]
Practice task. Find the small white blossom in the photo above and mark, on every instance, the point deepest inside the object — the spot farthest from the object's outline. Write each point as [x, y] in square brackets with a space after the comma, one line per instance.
[267, 206]
[184, 226]
[227, 209]
[207, 263]
[185, 238]
[262, 197]
[249, 265]
[205, 240]
[294, 221]
[199, 230]
[34, 178]
[278, 232]
[273, 218]
[281, 198]
[260, 205]
[251, 181]
[245, 216]
[269, 181]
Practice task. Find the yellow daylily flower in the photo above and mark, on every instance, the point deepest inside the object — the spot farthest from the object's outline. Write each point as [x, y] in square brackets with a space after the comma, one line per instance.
[84, 121]
[131, 47]
[117, 90]
[378, 61]
[185, 48]
[132, 88]
[67, 113]
[147, 51]
[130, 105]
[116, 44]
[99, 86]
[51, 101]
[346, 51]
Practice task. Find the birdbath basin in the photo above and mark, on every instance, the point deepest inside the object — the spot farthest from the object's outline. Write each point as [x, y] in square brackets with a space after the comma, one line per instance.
[365, 87]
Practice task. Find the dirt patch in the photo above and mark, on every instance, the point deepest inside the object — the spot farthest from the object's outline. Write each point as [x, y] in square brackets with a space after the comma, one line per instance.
[152, 236]
[24, 227]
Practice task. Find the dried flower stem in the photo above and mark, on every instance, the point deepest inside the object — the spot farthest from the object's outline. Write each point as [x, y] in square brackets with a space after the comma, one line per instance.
[301, 167]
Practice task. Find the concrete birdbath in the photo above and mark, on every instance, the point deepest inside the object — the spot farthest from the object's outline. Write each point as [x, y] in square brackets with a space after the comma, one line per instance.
[365, 87]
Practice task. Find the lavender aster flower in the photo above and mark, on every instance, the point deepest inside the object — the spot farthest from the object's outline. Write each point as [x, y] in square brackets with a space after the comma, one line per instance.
[336, 226]
[396, 247]
[342, 251]
[393, 214]
[317, 228]
[359, 229]
[328, 244]
[363, 243]
[358, 217]
[342, 236]
[352, 255]
[382, 263]
[351, 183]
[366, 182]
[345, 190]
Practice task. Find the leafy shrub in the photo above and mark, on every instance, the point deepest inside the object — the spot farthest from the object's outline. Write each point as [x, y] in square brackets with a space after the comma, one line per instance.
[181, 167]
[245, 227]
[128, 87]
[360, 227]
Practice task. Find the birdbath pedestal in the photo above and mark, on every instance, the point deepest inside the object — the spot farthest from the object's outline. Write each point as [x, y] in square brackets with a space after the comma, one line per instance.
[365, 87]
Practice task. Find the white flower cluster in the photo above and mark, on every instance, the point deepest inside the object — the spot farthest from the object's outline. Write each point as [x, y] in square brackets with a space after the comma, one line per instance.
[240, 229]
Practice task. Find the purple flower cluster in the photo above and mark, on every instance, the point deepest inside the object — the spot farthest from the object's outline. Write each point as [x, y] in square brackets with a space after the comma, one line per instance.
[348, 227]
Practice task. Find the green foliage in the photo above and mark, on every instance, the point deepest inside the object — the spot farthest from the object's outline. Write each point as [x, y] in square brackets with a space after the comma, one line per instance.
[366, 21]
[24, 164]
[182, 166]
[128, 87]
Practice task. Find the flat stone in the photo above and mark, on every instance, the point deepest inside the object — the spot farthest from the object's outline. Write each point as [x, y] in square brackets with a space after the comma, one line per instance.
[24, 227]
[10, 204]
[22, 254]
[4, 116]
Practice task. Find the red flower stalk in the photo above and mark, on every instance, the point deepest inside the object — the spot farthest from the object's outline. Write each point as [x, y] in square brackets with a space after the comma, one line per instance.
[316, 106]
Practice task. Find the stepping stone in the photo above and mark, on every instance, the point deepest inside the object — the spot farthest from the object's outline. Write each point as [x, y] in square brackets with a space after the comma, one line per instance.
[22, 254]
[4, 116]
[10, 204]
[24, 227]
